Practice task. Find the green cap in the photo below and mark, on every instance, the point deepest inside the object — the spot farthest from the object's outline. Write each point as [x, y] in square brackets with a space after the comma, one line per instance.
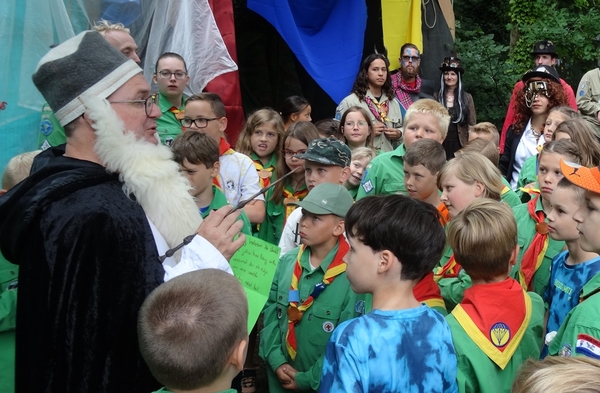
[327, 151]
[327, 198]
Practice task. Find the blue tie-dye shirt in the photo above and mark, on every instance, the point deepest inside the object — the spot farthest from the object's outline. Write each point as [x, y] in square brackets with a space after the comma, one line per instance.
[391, 351]
[566, 281]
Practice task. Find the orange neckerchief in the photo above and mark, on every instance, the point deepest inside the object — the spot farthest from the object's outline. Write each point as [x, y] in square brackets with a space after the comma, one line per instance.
[444, 214]
[495, 316]
[427, 291]
[264, 174]
[179, 114]
[534, 255]
[449, 270]
[290, 197]
[295, 311]
[224, 149]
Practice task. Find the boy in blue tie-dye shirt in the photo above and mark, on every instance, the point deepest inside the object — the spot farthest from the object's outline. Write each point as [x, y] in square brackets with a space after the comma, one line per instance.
[573, 268]
[401, 346]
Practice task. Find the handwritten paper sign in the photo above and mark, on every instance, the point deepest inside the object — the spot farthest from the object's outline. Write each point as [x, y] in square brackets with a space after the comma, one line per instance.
[254, 266]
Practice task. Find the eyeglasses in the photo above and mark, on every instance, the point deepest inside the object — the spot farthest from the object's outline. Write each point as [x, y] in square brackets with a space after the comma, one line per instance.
[351, 124]
[290, 153]
[199, 123]
[148, 103]
[414, 59]
[167, 74]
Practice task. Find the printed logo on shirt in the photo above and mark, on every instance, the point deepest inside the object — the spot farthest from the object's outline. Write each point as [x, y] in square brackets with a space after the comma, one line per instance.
[230, 185]
[45, 145]
[169, 142]
[328, 326]
[588, 346]
[566, 351]
[499, 334]
[338, 113]
[360, 307]
[46, 127]
[368, 186]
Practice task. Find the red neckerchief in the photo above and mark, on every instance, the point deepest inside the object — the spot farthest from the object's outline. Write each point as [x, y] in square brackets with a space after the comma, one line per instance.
[534, 255]
[449, 270]
[224, 149]
[427, 291]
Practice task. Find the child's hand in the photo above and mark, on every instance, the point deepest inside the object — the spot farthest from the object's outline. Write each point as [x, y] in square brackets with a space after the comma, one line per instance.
[291, 373]
[282, 375]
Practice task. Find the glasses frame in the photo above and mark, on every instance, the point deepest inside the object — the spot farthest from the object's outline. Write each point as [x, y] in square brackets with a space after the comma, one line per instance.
[290, 153]
[193, 121]
[412, 59]
[165, 76]
[148, 103]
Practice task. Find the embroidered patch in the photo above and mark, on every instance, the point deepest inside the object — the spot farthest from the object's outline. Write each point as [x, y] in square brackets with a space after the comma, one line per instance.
[360, 307]
[169, 142]
[566, 351]
[328, 326]
[230, 185]
[368, 186]
[46, 127]
[45, 145]
[499, 334]
[588, 346]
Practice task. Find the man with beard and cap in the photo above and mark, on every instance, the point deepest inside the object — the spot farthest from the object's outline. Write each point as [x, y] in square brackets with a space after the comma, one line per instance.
[407, 82]
[88, 226]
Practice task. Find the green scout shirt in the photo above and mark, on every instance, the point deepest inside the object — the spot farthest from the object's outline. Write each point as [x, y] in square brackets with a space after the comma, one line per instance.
[584, 319]
[164, 390]
[337, 303]
[384, 175]
[219, 201]
[353, 192]
[452, 289]
[508, 195]
[51, 132]
[477, 372]
[271, 228]
[271, 163]
[167, 125]
[8, 317]
[526, 232]
[528, 172]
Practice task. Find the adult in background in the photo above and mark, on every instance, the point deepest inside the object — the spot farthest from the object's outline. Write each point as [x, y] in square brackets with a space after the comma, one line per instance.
[545, 54]
[459, 104]
[373, 92]
[588, 98]
[87, 227]
[407, 82]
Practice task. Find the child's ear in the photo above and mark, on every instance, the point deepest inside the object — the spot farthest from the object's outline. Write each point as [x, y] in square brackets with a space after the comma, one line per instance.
[387, 259]
[339, 229]
[154, 79]
[222, 124]
[513, 257]
[215, 169]
[238, 356]
[294, 117]
[479, 189]
[345, 175]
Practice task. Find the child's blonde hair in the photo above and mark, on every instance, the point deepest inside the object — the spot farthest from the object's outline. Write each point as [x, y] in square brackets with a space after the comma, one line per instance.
[363, 152]
[471, 168]
[556, 374]
[18, 169]
[484, 147]
[583, 137]
[486, 128]
[255, 120]
[429, 106]
[483, 237]
[563, 147]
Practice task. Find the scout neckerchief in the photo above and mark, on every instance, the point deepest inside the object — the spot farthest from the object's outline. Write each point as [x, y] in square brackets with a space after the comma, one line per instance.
[292, 196]
[295, 311]
[449, 270]
[179, 115]
[402, 89]
[534, 255]
[264, 174]
[379, 110]
[444, 214]
[495, 316]
[224, 149]
[427, 291]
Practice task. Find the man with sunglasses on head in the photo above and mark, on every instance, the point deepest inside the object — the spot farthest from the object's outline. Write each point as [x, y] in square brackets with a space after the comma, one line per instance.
[543, 54]
[92, 225]
[171, 77]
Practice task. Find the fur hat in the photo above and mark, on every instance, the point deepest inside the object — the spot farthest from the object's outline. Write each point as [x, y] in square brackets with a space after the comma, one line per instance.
[452, 64]
[83, 66]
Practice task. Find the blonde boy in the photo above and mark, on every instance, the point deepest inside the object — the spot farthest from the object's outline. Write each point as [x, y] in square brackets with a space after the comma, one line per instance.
[193, 332]
[425, 118]
[497, 325]
[310, 294]
[361, 157]
[485, 130]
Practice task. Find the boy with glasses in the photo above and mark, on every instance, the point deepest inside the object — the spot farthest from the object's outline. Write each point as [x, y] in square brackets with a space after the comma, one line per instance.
[171, 77]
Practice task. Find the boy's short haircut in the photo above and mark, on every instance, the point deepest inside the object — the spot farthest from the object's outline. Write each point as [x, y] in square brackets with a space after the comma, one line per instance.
[18, 169]
[429, 106]
[189, 326]
[579, 192]
[484, 147]
[471, 168]
[558, 374]
[426, 152]
[328, 128]
[327, 151]
[213, 99]
[407, 227]
[483, 237]
[486, 128]
[196, 147]
[363, 152]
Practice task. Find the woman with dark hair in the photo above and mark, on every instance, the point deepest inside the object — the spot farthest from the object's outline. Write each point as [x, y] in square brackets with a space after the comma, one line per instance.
[373, 91]
[541, 92]
[459, 104]
[293, 109]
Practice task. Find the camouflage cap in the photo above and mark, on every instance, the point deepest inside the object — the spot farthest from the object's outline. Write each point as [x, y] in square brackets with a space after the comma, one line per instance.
[327, 151]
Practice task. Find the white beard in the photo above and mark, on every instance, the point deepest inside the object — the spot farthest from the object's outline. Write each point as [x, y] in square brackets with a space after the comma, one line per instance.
[148, 171]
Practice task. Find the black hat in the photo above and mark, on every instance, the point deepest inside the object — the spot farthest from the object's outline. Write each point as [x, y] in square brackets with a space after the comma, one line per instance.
[544, 48]
[452, 64]
[542, 71]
